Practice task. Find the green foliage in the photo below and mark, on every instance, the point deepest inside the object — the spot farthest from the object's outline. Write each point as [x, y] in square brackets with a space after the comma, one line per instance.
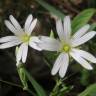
[60, 88]
[40, 91]
[93, 26]
[51, 56]
[84, 78]
[23, 78]
[89, 91]
[51, 9]
[82, 18]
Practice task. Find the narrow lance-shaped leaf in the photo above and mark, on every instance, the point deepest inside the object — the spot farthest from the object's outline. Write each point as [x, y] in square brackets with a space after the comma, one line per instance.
[51, 9]
[40, 91]
[82, 18]
[89, 91]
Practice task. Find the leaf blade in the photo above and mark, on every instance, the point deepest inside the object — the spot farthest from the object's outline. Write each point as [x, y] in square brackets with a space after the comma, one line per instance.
[40, 91]
[50, 8]
[89, 91]
[81, 19]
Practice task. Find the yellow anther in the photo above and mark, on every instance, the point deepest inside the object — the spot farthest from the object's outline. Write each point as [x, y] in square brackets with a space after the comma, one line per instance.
[66, 48]
[25, 38]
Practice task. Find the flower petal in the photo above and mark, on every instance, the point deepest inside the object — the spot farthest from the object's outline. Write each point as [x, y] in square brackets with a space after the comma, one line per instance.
[57, 64]
[59, 28]
[16, 24]
[24, 53]
[67, 28]
[35, 39]
[83, 39]
[32, 26]
[86, 55]
[11, 27]
[81, 32]
[47, 43]
[34, 46]
[80, 60]
[8, 38]
[28, 22]
[9, 44]
[64, 65]
[19, 53]
[34, 43]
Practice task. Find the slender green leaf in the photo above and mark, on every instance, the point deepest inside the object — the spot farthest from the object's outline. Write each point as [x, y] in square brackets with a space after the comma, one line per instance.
[82, 18]
[50, 8]
[40, 91]
[90, 91]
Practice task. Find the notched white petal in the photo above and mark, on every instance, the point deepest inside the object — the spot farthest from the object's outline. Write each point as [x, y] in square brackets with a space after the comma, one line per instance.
[57, 64]
[67, 27]
[81, 61]
[35, 46]
[60, 30]
[32, 26]
[24, 53]
[81, 32]
[19, 53]
[86, 55]
[83, 39]
[50, 44]
[64, 65]
[9, 44]
[10, 26]
[8, 38]
[28, 22]
[16, 24]
[34, 43]
[35, 39]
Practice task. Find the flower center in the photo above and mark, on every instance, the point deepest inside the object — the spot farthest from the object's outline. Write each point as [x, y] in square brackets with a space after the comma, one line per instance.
[25, 38]
[66, 48]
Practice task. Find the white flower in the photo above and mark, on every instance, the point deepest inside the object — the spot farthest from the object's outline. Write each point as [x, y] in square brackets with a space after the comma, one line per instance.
[67, 44]
[22, 36]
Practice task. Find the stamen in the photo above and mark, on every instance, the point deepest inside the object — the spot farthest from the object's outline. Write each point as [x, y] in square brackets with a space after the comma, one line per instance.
[25, 38]
[66, 48]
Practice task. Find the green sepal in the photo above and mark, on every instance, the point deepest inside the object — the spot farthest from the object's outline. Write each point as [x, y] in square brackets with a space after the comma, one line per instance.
[22, 76]
[52, 34]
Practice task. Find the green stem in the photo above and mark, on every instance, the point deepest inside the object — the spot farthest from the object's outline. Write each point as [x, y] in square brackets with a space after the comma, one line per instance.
[32, 93]
[47, 62]
[56, 87]
[12, 84]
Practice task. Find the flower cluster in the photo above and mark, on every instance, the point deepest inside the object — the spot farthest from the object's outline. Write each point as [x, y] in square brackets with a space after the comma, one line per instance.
[66, 44]
[22, 37]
